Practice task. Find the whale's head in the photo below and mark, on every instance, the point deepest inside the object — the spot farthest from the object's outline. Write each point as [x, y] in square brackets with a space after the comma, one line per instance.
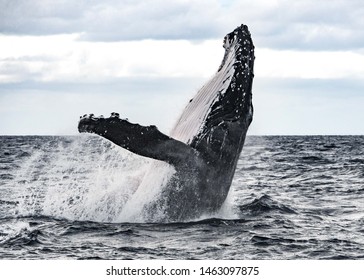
[216, 120]
[232, 101]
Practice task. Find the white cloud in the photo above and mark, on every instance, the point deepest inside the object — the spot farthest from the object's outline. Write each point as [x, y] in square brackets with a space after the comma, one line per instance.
[309, 64]
[62, 58]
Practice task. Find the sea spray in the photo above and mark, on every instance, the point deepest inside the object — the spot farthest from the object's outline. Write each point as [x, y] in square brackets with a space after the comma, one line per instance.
[79, 178]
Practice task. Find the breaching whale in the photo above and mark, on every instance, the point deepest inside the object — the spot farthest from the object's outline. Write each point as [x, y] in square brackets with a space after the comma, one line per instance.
[194, 165]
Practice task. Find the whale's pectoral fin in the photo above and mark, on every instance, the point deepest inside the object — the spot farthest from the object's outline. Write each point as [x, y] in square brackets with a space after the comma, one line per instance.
[146, 141]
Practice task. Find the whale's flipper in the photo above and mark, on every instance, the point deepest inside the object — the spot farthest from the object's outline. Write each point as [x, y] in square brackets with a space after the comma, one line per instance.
[146, 141]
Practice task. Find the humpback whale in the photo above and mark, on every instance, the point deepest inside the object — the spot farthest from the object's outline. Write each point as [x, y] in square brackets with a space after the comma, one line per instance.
[194, 166]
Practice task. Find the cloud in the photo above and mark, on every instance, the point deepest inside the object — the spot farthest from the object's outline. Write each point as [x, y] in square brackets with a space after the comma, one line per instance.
[305, 24]
[112, 20]
[280, 24]
[64, 58]
[309, 64]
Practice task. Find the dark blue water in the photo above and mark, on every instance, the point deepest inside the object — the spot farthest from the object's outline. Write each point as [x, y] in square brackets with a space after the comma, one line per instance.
[292, 198]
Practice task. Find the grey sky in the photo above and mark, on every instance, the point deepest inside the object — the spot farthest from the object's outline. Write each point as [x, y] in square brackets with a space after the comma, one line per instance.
[145, 59]
[327, 24]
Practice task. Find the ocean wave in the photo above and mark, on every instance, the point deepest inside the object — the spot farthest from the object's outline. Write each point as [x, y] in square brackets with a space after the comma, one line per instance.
[265, 204]
[24, 238]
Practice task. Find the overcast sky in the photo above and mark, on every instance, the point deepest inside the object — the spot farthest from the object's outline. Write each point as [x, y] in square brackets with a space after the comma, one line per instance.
[60, 59]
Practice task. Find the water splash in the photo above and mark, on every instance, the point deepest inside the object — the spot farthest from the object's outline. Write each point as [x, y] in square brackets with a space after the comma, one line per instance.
[79, 178]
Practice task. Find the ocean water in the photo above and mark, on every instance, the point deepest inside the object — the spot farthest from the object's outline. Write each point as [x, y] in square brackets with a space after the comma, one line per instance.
[292, 197]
